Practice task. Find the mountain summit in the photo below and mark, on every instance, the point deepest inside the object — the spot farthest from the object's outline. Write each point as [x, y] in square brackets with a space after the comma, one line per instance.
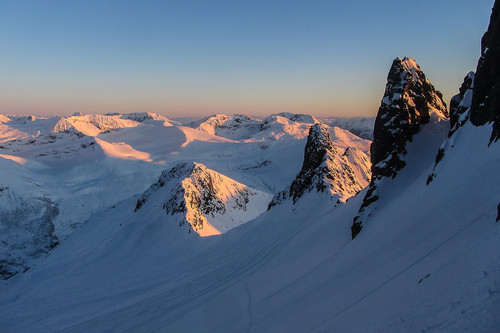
[208, 201]
[325, 169]
[409, 101]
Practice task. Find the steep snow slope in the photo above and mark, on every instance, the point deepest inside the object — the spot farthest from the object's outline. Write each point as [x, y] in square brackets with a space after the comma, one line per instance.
[291, 269]
[345, 139]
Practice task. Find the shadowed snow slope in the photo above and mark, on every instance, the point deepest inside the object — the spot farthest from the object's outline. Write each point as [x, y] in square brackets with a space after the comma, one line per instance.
[291, 269]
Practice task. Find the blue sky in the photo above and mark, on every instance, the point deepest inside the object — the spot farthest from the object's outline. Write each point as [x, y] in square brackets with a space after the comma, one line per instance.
[181, 58]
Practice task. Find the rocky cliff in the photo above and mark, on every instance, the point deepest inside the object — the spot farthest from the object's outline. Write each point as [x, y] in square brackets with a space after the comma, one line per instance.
[208, 201]
[409, 102]
[485, 105]
[325, 169]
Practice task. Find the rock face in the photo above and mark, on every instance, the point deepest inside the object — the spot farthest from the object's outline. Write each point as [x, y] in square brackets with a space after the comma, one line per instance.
[325, 169]
[459, 115]
[208, 201]
[409, 101]
[460, 103]
[486, 100]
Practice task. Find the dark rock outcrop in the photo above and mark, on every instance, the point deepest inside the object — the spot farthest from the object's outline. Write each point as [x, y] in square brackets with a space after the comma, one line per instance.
[485, 106]
[460, 103]
[324, 169]
[498, 212]
[459, 115]
[478, 99]
[409, 101]
[192, 192]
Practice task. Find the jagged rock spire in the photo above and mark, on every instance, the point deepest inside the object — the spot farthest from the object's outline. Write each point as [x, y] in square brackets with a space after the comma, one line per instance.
[460, 103]
[314, 173]
[485, 105]
[409, 101]
[324, 169]
[208, 201]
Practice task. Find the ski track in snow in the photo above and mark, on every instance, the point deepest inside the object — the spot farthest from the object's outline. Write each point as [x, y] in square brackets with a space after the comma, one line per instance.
[155, 278]
[359, 300]
[159, 313]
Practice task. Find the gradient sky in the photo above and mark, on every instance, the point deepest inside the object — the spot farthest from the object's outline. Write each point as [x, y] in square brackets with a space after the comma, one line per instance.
[183, 57]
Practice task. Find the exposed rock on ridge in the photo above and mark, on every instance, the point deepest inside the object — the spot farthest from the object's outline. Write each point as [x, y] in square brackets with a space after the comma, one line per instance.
[478, 98]
[460, 103]
[409, 101]
[486, 100]
[459, 115]
[204, 198]
[326, 170]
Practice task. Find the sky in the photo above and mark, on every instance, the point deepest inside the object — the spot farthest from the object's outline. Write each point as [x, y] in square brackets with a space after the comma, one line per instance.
[193, 58]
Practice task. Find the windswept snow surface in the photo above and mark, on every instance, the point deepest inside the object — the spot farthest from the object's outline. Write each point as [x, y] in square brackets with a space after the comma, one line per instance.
[428, 261]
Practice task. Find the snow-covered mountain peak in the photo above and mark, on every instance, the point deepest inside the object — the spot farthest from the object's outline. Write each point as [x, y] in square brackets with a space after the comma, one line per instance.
[208, 201]
[235, 127]
[324, 169]
[240, 127]
[93, 124]
[4, 119]
[149, 118]
[298, 117]
[410, 101]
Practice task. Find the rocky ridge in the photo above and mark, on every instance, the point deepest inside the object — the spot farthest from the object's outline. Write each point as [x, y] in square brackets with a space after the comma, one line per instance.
[203, 198]
[409, 102]
[478, 97]
[485, 106]
[460, 104]
[325, 169]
